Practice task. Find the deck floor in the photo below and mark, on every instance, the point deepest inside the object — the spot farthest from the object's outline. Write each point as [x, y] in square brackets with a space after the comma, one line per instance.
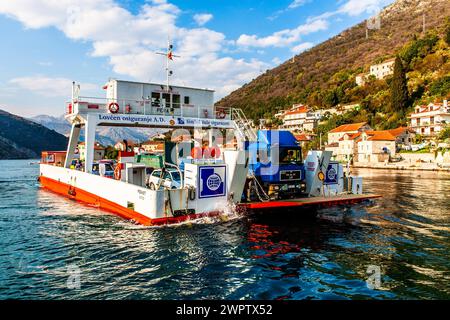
[312, 202]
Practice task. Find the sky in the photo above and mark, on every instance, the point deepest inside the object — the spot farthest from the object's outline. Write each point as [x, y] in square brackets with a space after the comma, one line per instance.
[222, 44]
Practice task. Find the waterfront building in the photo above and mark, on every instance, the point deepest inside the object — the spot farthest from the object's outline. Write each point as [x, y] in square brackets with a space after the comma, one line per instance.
[304, 138]
[431, 119]
[404, 137]
[153, 146]
[336, 134]
[124, 145]
[376, 146]
[99, 151]
[300, 118]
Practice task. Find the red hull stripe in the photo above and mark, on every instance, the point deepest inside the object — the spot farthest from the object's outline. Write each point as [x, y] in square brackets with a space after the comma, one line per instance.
[317, 203]
[87, 197]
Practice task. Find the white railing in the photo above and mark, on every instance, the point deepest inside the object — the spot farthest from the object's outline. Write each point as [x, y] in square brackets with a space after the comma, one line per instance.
[145, 107]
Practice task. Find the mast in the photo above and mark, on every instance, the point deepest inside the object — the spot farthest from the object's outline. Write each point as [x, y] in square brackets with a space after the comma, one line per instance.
[169, 56]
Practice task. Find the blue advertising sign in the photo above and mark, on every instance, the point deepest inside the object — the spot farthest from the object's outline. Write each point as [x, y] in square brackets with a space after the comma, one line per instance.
[332, 174]
[212, 181]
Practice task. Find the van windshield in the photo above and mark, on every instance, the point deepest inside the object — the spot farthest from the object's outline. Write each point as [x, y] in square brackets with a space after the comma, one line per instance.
[175, 175]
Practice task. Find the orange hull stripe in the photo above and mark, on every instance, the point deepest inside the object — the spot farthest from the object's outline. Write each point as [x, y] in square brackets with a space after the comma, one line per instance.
[318, 203]
[87, 197]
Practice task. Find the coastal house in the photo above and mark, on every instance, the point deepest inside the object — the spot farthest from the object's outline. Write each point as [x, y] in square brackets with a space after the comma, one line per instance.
[125, 145]
[361, 79]
[299, 118]
[431, 119]
[304, 138]
[379, 71]
[404, 137]
[336, 134]
[382, 70]
[99, 151]
[153, 146]
[347, 147]
[375, 146]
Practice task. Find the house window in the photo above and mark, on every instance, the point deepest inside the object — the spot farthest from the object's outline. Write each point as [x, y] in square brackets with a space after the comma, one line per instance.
[186, 100]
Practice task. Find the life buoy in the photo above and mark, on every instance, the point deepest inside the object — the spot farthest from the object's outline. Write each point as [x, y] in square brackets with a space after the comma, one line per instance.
[118, 171]
[113, 107]
[215, 152]
[220, 114]
[211, 153]
[197, 153]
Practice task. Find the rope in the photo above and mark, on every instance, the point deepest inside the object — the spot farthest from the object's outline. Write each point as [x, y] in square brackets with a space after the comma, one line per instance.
[258, 188]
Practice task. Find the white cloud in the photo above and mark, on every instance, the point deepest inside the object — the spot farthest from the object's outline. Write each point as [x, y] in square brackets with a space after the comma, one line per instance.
[302, 47]
[45, 63]
[129, 42]
[47, 86]
[297, 3]
[203, 18]
[293, 5]
[357, 7]
[283, 38]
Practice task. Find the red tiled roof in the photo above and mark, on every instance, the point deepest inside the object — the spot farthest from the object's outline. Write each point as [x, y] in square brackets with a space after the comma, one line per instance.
[302, 137]
[349, 127]
[398, 131]
[332, 145]
[301, 109]
[351, 136]
[379, 136]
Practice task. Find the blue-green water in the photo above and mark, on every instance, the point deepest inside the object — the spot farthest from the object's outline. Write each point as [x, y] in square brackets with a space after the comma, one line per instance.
[54, 248]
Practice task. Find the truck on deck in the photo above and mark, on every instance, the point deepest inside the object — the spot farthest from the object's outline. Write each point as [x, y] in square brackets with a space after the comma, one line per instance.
[276, 166]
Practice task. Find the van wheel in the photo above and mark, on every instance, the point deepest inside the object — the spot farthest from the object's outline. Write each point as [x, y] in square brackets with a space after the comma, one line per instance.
[152, 186]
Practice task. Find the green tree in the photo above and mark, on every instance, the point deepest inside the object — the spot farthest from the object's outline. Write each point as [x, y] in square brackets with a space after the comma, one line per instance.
[399, 88]
[111, 153]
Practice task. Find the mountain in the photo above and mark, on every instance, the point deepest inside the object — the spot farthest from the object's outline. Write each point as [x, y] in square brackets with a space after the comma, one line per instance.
[105, 135]
[23, 139]
[323, 75]
[59, 124]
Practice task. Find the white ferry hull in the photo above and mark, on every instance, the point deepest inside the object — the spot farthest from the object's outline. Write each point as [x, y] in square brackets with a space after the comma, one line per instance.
[144, 206]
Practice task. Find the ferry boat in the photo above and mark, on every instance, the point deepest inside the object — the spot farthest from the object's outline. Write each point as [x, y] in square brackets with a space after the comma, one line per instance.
[207, 168]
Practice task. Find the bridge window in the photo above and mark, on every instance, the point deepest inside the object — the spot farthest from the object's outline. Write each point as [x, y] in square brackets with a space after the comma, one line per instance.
[176, 100]
[156, 99]
[166, 99]
[186, 100]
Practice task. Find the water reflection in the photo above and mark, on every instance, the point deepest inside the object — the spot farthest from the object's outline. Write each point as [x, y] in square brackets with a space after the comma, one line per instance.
[274, 256]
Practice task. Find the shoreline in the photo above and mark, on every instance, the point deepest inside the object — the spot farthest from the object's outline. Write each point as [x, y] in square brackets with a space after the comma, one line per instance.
[401, 168]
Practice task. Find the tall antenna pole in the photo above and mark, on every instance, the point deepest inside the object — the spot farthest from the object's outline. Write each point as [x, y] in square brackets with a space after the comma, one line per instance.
[169, 56]
[424, 25]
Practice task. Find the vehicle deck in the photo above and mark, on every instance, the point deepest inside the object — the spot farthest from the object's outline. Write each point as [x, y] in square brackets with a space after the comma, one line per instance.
[328, 201]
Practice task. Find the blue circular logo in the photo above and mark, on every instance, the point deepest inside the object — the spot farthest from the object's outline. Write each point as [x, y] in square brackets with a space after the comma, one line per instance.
[213, 182]
[332, 174]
